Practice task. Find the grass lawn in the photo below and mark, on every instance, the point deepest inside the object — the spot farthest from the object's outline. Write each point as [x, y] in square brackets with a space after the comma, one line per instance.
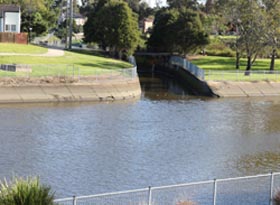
[227, 63]
[18, 48]
[223, 68]
[69, 64]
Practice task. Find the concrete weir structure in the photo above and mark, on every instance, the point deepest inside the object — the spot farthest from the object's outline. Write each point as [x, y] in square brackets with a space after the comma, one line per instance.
[111, 90]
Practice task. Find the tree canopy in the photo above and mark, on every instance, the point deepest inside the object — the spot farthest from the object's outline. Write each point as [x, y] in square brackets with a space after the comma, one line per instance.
[177, 30]
[112, 24]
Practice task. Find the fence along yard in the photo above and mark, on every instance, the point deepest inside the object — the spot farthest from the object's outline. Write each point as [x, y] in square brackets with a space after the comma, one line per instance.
[19, 38]
[250, 190]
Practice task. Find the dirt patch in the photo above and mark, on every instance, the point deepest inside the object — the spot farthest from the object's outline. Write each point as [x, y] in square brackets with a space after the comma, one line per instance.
[12, 81]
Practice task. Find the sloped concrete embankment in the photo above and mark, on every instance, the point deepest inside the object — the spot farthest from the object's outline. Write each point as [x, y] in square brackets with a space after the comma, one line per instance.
[245, 89]
[74, 92]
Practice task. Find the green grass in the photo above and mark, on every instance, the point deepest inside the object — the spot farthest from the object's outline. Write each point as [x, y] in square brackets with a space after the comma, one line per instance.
[223, 68]
[228, 63]
[77, 63]
[17, 48]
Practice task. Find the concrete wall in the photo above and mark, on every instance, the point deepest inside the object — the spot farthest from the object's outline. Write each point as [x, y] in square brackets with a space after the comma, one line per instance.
[245, 89]
[78, 92]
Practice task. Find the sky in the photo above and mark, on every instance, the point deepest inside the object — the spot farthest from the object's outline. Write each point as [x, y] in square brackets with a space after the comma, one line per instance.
[152, 3]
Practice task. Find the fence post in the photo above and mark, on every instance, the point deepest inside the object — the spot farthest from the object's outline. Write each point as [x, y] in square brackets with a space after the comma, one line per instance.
[215, 192]
[150, 196]
[271, 188]
[74, 200]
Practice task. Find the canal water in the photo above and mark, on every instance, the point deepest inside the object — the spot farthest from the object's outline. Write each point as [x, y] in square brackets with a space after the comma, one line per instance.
[167, 137]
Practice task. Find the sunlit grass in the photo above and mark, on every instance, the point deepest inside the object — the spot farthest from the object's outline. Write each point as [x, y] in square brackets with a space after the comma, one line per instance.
[228, 63]
[72, 63]
[223, 69]
[19, 48]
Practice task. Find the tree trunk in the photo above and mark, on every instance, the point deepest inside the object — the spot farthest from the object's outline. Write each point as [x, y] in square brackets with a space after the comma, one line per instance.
[272, 63]
[237, 63]
[248, 68]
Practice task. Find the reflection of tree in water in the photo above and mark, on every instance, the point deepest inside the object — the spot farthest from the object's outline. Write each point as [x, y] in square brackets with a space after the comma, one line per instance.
[259, 163]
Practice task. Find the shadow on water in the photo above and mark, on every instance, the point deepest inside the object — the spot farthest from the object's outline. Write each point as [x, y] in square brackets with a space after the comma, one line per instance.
[162, 87]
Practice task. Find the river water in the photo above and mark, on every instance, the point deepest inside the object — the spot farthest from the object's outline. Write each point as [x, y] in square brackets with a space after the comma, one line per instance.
[167, 137]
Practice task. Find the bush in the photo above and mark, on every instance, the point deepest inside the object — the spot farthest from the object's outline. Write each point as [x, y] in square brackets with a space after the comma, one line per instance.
[276, 198]
[25, 192]
[218, 48]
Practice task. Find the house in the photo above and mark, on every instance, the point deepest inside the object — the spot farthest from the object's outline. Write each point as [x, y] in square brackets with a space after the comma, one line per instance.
[10, 20]
[79, 19]
[147, 24]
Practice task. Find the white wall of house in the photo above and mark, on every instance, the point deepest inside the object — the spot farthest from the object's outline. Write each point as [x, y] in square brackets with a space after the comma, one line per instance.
[12, 22]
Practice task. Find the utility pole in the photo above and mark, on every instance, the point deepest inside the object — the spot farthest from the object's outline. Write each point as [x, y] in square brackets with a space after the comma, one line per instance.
[66, 32]
[71, 24]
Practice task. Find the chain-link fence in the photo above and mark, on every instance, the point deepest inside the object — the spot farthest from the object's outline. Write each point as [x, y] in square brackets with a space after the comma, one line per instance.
[241, 75]
[185, 64]
[251, 190]
[33, 72]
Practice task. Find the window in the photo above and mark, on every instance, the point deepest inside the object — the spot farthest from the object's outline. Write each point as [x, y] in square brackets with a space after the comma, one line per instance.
[13, 28]
[7, 27]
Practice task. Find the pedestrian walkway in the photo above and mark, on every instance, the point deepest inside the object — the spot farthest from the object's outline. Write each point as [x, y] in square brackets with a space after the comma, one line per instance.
[51, 53]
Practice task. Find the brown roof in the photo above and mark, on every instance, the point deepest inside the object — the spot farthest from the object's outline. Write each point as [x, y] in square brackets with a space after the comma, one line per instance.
[9, 8]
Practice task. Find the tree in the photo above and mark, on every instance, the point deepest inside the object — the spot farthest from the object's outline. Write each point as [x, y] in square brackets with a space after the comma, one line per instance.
[177, 31]
[272, 33]
[190, 4]
[249, 18]
[114, 25]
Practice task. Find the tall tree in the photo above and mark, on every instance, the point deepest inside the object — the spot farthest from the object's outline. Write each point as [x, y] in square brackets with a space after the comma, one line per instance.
[114, 26]
[249, 18]
[272, 34]
[177, 31]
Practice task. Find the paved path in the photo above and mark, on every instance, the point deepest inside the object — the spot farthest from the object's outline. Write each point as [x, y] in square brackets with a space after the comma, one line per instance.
[51, 53]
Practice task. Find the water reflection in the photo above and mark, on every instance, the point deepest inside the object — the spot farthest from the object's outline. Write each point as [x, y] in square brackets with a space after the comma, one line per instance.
[252, 164]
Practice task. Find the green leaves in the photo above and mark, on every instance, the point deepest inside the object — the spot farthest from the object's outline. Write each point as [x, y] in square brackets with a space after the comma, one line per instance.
[113, 25]
[25, 192]
[177, 30]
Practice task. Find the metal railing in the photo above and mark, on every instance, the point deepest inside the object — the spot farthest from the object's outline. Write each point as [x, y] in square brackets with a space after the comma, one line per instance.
[35, 71]
[185, 64]
[239, 75]
[250, 190]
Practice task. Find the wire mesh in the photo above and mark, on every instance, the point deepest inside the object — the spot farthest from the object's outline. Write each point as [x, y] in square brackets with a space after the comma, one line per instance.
[196, 194]
[252, 190]
[244, 191]
[128, 198]
[68, 71]
[240, 75]
[67, 201]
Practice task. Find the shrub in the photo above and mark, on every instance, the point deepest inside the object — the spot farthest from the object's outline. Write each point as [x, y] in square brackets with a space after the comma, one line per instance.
[219, 48]
[25, 192]
[276, 198]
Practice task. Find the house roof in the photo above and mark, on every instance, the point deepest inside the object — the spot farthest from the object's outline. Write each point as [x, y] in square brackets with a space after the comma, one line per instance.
[78, 16]
[9, 8]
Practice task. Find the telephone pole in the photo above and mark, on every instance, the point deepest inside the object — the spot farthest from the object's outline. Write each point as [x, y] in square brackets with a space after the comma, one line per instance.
[70, 24]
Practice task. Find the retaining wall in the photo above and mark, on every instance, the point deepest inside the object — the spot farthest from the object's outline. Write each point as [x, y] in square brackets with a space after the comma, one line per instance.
[72, 92]
[245, 89]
